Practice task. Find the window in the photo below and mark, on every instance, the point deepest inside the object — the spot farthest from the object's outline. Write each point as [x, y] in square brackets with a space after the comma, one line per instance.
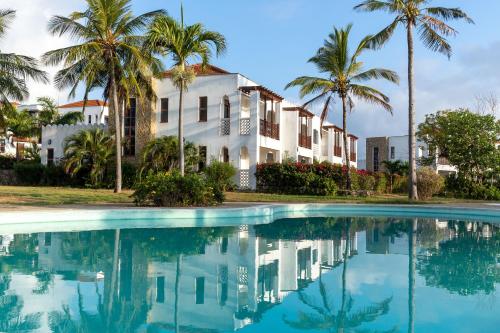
[130, 113]
[222, 284]
[203, 109]
[337, 149]
[270, 158]
[106, 120]
[315, 137]
[223, 245]
[393, 152]
[164, 110]
[48, 239]
[50, 156]
[225, 155]
[227, 108]
[96, 119]
[375, 159]
[2, 146]
[160, 289]
[200, 290]
[202, 151]
[90, 119]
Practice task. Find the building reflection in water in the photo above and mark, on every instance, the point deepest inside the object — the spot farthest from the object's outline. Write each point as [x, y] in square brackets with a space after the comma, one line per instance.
[209, 279]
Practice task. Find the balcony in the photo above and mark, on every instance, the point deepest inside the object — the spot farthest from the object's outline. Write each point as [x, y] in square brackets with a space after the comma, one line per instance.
[225, 126]
[269, 129]
[305, 141]
[337, 151]
[352, 157]
[244, 126]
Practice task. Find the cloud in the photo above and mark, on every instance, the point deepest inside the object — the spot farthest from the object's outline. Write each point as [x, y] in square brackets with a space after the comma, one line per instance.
[28, 35]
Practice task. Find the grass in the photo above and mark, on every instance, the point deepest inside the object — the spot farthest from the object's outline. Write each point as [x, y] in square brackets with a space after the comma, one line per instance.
[53, 196]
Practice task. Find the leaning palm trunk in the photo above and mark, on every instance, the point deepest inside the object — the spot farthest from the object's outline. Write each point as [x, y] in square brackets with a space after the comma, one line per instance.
[118, 132]
[413, 194]
[346, 152]
[114, 276]
[412, 257]
[181, 128]
[177, 291]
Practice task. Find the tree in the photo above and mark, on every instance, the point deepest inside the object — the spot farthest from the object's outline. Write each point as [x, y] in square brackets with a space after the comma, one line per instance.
[49, 115]
[465, 138]
[431, 26]
[344, 75]
[183, 43]
[108, 50]
[16, 70]
[161, 155]
[393, 168]
[89, 151]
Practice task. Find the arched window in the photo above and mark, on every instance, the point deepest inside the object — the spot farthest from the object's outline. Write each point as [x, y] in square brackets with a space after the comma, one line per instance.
[225, 155]
[227, 108]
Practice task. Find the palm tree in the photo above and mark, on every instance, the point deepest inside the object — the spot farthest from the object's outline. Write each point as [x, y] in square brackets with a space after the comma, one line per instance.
[344, 75]
[108, 47]
[393, 168]
[183, 43]
[49, 115]
[90, 150]
[429, 22]
[15, 69]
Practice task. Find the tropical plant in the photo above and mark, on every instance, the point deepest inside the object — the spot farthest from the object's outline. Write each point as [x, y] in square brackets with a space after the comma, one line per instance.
[161, 155]
[393, 168]
[344, 76]
[49, 115]
[431, 26]
[109, 54]
[183, 43]
[429, 183]
[466, 139]
[15, 69]
[88, 151]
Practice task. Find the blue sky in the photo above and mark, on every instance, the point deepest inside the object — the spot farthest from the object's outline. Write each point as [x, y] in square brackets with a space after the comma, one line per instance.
[270, 41]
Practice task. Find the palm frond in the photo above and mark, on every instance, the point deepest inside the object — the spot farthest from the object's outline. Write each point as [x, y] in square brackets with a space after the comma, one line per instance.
[376, 74]
[433, 41]
[448, 14]
[371, 95]
[6, 17]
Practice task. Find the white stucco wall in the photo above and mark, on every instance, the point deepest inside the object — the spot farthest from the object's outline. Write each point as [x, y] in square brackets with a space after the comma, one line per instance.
[54, 137]
[97, 114]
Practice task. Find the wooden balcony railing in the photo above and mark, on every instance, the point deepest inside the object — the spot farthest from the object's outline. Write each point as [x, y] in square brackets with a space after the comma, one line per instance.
[352, 157]
[269, 129]
[337, 151]
[443, 161]
[305, 141]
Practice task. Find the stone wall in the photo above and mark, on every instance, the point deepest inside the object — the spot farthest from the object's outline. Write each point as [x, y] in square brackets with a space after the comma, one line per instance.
[383, 154]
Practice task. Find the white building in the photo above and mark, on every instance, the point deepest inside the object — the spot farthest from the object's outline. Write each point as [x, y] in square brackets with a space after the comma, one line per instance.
[231, 119]
[394, 148]
[96, 112]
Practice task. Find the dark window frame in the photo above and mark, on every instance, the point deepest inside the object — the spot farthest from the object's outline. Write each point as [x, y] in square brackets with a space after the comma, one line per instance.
[203, 109]
[164, 110]
[129, 127]
[50, 156]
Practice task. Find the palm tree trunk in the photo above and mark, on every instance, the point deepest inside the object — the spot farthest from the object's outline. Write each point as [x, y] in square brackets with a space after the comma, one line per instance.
[413, 194]
[412, 240]
[114, 274]
[118, 133]
[181, 129]
[346, 152]
[344, 278]
[177, 289]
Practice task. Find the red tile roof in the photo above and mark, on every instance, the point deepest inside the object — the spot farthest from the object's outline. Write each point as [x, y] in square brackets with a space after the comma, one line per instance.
[79, 104]
[199, 71]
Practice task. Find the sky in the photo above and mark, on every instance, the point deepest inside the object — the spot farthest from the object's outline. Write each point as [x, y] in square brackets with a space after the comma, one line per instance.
[270, 41]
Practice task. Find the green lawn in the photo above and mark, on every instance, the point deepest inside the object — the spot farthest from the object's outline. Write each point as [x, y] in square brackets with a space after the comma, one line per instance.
[50, 196]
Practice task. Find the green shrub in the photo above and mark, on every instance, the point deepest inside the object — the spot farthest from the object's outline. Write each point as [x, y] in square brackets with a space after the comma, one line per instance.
[381, 183]
[7, 162]
[322, 186]
[460, 187]
[56, 176]
[366, 182]
[129, 175]
[429, 183]
[220, 174]
[29, 172]
[173, 190]
[399, 184]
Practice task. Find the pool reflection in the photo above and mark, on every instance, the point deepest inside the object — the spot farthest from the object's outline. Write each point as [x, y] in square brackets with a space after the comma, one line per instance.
[294, 274]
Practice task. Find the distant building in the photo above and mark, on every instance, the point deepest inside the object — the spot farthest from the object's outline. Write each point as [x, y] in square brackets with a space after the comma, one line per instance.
[394, 148]
[96, 112]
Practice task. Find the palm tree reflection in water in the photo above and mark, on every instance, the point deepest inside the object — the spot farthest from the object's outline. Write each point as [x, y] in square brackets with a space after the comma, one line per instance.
[325, 317]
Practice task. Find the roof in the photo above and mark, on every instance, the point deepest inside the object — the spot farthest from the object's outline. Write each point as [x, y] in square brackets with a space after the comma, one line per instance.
[336, 128]
[263, 91]
[79, 104]
[303, 112]
[200, 71]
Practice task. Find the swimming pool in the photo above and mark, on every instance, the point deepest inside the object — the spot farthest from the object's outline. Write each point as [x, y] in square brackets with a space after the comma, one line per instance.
[326, 270]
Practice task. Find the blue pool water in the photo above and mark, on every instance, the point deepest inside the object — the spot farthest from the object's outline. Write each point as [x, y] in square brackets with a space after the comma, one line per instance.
[309, 274]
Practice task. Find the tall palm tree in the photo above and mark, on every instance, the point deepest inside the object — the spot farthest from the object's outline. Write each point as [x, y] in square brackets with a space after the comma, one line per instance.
[90, 150]
[431, 26]
[344, 76]
[15, 69]
[108, 45]
[183, 43]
